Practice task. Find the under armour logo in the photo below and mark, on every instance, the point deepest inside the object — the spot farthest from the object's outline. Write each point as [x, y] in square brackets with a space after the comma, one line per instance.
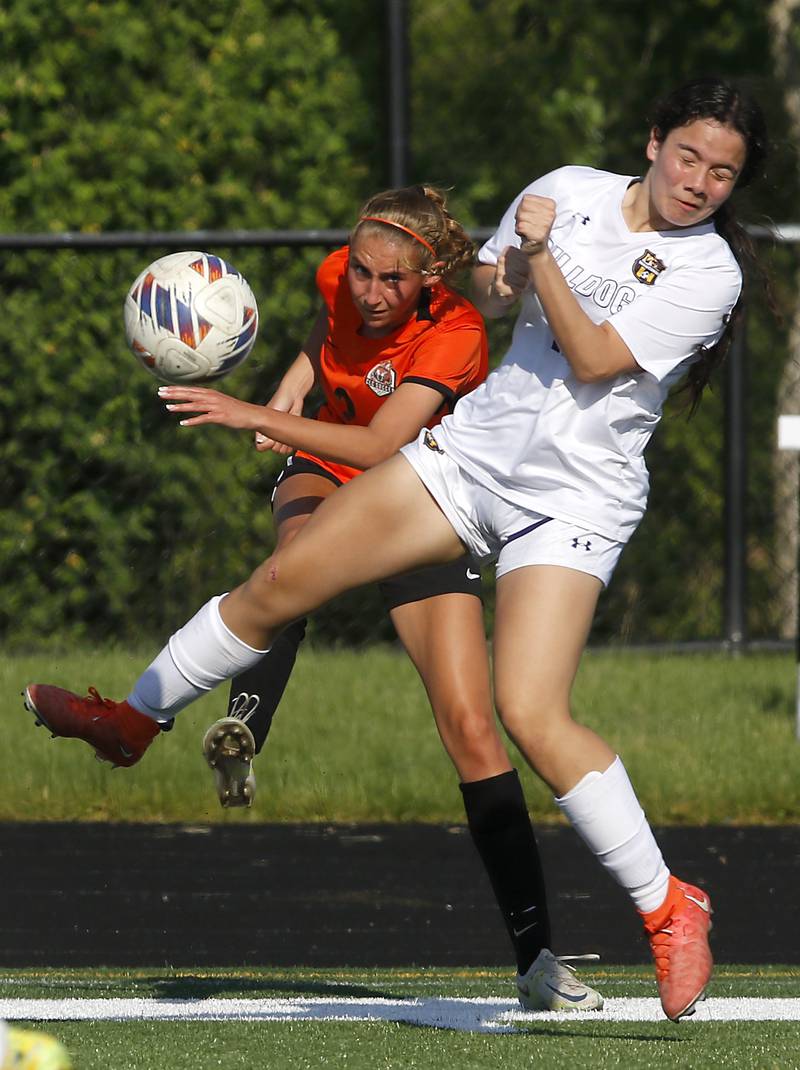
[243, 706]
[585, 543]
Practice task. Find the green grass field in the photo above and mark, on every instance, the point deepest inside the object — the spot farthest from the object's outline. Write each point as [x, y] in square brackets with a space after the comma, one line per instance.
[706, 739]
[369, 1045]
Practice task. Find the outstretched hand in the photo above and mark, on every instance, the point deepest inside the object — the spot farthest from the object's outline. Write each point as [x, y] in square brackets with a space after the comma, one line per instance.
[212, 407]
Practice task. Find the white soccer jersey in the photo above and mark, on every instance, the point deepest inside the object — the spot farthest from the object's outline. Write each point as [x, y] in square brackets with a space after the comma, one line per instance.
[535, 435]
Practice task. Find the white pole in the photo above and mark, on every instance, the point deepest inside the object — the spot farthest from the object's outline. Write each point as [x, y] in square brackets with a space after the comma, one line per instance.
[789, 439]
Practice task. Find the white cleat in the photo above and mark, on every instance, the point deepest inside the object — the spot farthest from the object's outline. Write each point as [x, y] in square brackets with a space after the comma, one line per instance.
[229, 747]
[551, 985]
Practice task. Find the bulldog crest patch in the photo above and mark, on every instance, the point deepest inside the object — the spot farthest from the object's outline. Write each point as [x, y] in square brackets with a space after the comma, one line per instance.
[647, 268]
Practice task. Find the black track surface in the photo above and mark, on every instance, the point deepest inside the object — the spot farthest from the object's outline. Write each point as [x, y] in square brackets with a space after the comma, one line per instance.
[380, 895]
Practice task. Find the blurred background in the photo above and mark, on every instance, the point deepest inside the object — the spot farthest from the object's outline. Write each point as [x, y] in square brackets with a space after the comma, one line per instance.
[122, 119]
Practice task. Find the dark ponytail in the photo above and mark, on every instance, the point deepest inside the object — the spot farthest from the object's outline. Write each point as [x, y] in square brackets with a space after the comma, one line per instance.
[729, 105]
[702, 370]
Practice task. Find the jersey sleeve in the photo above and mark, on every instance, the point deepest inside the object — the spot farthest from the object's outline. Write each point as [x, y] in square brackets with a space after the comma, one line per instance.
[686, 309]
[451, 361]
[546, 186]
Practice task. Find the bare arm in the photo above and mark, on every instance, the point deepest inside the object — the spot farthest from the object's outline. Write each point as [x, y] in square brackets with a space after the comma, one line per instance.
[495, 288]
[397, 422]
[594, 351]
[298, 379]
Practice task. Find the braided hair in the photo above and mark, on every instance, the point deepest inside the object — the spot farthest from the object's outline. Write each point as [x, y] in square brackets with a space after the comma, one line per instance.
[433, 242]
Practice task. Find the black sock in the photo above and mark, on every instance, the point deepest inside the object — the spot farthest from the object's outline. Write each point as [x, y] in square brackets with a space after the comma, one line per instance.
[501, 830]
[255, 694]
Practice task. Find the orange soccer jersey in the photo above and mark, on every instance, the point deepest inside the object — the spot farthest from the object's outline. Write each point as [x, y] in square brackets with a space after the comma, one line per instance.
[444, 346]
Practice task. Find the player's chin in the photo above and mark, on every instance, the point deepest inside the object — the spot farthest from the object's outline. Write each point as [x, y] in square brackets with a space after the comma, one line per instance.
[682, 214]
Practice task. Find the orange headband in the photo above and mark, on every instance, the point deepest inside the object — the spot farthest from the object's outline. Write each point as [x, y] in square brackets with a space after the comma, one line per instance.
[391, 223]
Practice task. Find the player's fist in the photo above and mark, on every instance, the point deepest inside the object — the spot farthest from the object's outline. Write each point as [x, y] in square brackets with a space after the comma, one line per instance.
[534, 219]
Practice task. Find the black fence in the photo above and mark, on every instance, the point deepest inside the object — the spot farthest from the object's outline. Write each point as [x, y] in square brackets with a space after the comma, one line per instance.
[721, 572]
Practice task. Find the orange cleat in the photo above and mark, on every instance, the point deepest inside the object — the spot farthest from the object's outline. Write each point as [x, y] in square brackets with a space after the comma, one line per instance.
[119, 733]
[678, 932]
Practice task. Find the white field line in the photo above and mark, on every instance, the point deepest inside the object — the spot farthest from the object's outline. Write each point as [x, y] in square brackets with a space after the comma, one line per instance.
[472, 1015]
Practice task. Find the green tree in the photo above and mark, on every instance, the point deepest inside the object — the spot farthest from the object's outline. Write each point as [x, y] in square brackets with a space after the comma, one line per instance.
[123, 116]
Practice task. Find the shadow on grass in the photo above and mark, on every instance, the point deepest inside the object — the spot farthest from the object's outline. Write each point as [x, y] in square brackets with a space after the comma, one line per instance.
[599, 1033]
[207, 987]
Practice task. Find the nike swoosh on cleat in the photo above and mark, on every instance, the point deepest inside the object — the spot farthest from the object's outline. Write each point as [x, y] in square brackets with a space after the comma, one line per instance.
[572, 999]
[125, 753]
[519, 932]
[702, 903]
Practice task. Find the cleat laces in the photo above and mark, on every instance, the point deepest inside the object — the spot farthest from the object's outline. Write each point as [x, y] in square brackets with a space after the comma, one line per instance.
[105, 705]
[565, 962]
[551, 984]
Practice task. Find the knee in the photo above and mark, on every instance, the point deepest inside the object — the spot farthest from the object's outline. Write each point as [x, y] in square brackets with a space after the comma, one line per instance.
[534, 729]
[267, 597]
[470, 734]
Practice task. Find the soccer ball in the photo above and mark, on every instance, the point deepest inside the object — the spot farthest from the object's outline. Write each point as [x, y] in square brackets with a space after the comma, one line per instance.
[190, 316]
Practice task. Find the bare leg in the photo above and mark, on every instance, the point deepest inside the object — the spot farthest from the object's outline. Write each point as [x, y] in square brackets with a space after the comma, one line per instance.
[542, 621]
[382, 524]
[256, 693]
[543, 615]
[444, 637]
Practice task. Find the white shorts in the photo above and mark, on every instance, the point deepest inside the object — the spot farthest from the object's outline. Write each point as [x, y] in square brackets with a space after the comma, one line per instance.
[493, 529]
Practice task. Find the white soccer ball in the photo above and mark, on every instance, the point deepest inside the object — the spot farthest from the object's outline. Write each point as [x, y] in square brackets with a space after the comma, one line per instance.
[190, 316]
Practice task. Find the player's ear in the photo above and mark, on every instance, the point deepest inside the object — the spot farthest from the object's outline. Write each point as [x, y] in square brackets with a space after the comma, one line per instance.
[654, 144]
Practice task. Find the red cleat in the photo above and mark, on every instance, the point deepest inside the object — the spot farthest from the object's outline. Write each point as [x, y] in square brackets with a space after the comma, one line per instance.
[678, 933]
[119, 733]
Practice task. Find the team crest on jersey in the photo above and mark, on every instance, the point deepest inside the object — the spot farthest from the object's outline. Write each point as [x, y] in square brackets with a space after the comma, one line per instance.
[647, 268]
[382, 379]
[431, 443]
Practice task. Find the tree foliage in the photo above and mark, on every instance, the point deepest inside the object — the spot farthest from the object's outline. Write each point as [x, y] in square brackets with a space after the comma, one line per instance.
[268, 114]
[121, 116]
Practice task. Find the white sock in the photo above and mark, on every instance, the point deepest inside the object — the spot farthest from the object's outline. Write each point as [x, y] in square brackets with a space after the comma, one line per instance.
[200, 655]
[604, 811]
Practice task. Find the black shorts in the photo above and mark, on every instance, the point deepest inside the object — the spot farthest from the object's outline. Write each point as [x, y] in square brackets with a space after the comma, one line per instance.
[457, 577]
